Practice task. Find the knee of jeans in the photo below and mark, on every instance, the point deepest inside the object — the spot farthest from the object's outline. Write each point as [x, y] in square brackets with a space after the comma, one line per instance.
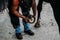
[15, 25]
[25, 23]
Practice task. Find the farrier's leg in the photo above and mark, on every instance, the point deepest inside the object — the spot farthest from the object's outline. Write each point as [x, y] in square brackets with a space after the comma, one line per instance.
[27, 29]
[25, 13]
[56, 10]
[15, 21]
[16, 25]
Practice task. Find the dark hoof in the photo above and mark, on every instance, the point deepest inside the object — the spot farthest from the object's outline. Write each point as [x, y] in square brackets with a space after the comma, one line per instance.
[37, 25]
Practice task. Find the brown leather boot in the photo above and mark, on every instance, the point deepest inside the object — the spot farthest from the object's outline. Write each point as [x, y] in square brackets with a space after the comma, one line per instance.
[29, 32]
[19, 36]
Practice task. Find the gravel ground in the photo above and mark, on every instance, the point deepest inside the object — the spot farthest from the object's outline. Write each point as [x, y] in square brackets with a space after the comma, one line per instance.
[47, 31]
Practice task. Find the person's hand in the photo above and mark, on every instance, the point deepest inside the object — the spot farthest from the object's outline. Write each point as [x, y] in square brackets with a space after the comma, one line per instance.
[27, 19]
